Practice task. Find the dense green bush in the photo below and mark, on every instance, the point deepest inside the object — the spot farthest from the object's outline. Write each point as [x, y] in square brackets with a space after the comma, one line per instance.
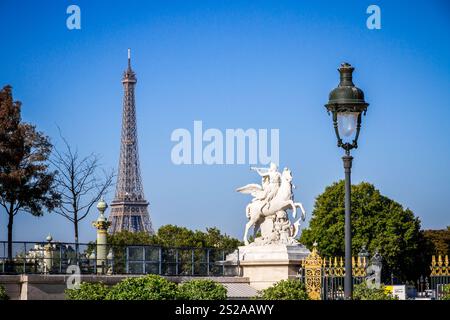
[3, 295]
[285, 290]
[362, 292]
[88, 291]
[446, 292]
[202, 290]
[149, 287]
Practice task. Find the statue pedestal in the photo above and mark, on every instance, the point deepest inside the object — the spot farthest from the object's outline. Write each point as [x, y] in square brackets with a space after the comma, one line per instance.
[267, 264]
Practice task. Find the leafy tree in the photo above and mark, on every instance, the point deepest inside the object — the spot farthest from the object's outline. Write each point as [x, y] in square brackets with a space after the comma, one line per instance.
[377, 222]
[202, 289]
[363, 292]
[149, 287]
[79, 184]
[440, 240]
[285, 290]
[215, 239]
[175, 236]
[26, 184]
[125, 238]
[88, 291]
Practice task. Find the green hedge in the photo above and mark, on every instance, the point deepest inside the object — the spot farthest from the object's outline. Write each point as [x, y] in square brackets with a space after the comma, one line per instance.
[149, 287]
[88, 291]
[446, 292]
[202, 290]
[285, 290]
[362, 292]
[3, 295]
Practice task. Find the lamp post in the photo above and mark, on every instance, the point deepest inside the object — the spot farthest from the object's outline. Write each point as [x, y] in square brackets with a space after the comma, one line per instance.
[346, 105]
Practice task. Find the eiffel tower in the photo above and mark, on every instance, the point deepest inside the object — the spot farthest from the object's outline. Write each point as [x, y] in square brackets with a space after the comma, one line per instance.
[129, 207]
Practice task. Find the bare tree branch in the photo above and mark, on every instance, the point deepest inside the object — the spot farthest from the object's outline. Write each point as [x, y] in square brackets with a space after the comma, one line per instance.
[78, 182]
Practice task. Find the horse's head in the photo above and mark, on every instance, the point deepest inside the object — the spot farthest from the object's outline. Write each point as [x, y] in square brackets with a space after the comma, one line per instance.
[287, 175]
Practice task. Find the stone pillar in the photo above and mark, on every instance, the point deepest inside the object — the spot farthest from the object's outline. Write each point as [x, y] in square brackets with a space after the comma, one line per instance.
[101, 224]
[265, 265]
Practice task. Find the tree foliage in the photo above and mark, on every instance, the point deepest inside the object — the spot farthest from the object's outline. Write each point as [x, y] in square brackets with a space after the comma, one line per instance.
[175, 236]
[149, 287]
[88, 291]
[285, 290]
[126, 237]
[439, 240]
[378, 222]
[202, 289]
[26, 184]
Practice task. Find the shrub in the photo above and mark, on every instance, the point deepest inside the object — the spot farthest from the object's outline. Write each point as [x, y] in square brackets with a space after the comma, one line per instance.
[88, 291]
[285, 290]
[149, 287]
[363, 292]
[3, 295]
[445, 292]
[202, 290]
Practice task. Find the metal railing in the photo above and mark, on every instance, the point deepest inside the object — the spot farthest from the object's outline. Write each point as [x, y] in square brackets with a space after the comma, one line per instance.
[174, 261]
[331, 283]
[57, 257]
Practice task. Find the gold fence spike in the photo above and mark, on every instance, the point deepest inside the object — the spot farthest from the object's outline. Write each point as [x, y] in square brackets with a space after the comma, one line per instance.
[433, 265]
[440, 261]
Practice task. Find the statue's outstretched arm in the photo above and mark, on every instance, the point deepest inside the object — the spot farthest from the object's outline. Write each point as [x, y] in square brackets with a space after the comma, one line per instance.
[262, 174]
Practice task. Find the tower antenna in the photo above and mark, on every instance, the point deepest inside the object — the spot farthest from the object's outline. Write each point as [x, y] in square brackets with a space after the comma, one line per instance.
[129, 58]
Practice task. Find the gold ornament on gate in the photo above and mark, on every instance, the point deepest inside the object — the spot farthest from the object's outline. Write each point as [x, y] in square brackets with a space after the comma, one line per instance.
[313, 274]
[441, 267]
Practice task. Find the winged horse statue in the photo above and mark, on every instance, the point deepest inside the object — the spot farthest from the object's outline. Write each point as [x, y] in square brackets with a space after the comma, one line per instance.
[266, 207]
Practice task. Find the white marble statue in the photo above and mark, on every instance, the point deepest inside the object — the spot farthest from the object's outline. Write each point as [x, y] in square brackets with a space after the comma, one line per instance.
[268, 209]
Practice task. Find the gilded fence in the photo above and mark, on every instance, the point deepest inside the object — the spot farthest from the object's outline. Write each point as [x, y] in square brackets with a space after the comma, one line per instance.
[324, 277]
[439, 275]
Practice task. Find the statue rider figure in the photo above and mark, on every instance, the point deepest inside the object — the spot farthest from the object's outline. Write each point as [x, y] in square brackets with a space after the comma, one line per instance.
[271, 180]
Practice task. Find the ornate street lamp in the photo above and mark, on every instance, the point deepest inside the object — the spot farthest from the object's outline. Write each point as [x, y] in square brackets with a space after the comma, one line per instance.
[346, 104]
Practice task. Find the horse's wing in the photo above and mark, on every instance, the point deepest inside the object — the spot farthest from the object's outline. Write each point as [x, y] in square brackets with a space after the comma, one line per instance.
[249, 188]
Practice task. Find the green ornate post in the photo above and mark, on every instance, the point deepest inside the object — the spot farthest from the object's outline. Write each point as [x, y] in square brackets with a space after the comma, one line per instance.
[101, 224]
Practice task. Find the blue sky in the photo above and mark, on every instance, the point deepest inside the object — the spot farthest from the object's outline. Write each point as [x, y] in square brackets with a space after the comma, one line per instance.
[237, 64]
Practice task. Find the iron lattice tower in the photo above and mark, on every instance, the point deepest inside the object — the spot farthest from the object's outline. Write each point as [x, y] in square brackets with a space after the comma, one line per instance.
[129, 207]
